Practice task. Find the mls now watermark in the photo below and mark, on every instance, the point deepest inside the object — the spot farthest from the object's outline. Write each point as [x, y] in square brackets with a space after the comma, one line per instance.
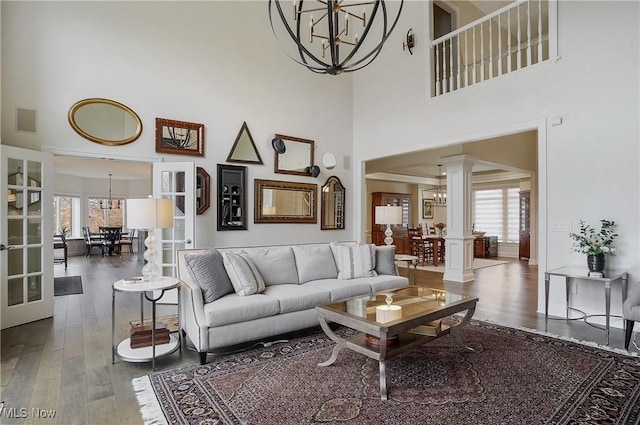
[24, 412]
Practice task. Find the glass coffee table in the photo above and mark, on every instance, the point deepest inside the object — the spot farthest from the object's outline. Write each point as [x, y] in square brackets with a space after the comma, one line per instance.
[417, 322]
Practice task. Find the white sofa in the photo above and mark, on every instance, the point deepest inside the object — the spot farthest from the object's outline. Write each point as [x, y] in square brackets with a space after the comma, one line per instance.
[297, 278]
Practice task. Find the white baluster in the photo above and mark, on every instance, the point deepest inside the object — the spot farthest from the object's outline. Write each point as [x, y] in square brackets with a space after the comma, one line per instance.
[540, 58]
[499, 46]
[481, 51]
[451, 88]
[528, 33]
[437, 47]
[458, 55]
[490, 49]
[466, 58]
[509, 40]
[519, 57]
[474, 55]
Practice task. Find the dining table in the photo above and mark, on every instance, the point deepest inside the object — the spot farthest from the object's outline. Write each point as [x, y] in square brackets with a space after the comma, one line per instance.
[437, 241]
[111, 235]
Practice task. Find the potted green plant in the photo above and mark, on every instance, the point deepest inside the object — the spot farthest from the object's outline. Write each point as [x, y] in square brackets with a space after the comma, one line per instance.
[595, 244]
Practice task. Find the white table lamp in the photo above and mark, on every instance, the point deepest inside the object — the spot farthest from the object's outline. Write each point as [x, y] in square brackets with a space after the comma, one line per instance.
[388, 215]
[150, 214]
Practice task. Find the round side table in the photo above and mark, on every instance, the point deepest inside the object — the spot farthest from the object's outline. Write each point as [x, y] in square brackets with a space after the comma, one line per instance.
[146, 289]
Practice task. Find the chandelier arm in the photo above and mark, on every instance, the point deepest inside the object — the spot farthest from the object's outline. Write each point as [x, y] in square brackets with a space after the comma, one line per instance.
[365, 32]
[376, 51]
[333, 46]
[319, 69]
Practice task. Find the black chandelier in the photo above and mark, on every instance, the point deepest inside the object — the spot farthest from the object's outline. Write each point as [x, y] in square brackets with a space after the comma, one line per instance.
[333, 24]
[110, 204]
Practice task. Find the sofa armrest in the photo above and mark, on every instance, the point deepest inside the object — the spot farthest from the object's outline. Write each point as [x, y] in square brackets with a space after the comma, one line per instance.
[192, 319]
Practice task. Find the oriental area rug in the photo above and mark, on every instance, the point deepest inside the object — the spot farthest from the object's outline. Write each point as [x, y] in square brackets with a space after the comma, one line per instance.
[513, 377]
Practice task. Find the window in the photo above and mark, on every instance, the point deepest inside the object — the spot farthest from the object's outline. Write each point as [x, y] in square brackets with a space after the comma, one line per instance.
[66, 215]
[496, 212]
[104, 217]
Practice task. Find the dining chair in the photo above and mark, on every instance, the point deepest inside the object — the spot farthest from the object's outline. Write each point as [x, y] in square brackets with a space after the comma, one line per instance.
[60, 243]
[421, 248]
[90, 242]
[126, 239]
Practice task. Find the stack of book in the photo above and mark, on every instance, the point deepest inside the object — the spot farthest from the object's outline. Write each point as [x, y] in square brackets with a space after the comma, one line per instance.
[141, 335]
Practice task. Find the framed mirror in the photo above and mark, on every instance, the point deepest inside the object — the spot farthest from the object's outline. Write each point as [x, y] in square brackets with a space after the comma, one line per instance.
[244, 150]
[284, 202]
[232, 198]
[332, 200]
[202, 190]
[297, 156]
[105, 121]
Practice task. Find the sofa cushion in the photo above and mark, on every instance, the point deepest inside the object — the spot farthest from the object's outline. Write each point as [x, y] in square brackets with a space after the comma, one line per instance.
[355, 261]
[385, 260]
[298, 297]
[276, 265]
[243, 273]
[314, 262]
[236, 309]
[343, 289]
[206, 270]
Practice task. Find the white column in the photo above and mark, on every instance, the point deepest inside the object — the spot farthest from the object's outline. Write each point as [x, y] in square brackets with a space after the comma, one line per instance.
[459, 239]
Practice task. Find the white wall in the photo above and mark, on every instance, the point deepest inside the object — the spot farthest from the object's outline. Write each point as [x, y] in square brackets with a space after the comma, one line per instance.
[215, 63]
[587, 166]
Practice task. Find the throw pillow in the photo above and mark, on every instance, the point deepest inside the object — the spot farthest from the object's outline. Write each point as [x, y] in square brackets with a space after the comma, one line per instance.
[356, 261]
[314, 262]
[207, 270]
[243, 273]
[275, 265]
[385, 260]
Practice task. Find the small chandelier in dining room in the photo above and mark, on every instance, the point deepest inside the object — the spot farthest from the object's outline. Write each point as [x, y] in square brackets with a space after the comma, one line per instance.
[333, 36]
[110, 204]
[440, 196]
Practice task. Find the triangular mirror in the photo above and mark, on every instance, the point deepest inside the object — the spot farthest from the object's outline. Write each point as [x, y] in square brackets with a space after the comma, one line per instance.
[244, 150]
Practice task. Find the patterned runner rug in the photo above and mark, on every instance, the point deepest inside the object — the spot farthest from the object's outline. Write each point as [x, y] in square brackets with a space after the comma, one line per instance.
[513, 377]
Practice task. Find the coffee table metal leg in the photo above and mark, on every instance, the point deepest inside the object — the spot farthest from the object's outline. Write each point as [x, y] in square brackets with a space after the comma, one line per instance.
[455, 330]
[340, 343]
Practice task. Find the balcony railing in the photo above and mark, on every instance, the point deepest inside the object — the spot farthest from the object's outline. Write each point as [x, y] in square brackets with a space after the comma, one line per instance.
[507, 40]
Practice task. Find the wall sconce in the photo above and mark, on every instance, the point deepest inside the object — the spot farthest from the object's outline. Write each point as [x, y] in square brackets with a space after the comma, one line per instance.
[278, 145]
[410, 42]
[314, 170]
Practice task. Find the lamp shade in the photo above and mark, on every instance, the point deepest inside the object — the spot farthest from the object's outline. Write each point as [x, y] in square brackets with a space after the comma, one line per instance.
[388, 215]
[149, 213]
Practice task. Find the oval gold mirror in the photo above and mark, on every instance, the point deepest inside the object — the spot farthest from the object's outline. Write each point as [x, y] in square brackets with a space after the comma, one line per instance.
[105, 121]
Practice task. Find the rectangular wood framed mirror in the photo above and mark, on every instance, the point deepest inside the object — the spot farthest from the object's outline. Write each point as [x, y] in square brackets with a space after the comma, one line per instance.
[297, 158]
[285, 202]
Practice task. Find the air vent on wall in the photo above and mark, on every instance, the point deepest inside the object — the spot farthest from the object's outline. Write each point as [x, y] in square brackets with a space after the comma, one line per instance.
[26, 120]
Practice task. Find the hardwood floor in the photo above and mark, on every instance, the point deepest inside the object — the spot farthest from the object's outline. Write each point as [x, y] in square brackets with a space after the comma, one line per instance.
[64, 363]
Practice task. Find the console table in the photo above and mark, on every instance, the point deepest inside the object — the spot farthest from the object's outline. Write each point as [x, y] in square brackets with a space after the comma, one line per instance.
[570, 273]
[144, 354]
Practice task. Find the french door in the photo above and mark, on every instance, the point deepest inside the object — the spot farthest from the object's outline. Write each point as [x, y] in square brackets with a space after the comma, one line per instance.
[175, 181]
[26, 236]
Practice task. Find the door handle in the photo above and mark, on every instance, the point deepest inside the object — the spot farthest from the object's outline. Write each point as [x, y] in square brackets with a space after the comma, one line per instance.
[5, 248]
[188, 241]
